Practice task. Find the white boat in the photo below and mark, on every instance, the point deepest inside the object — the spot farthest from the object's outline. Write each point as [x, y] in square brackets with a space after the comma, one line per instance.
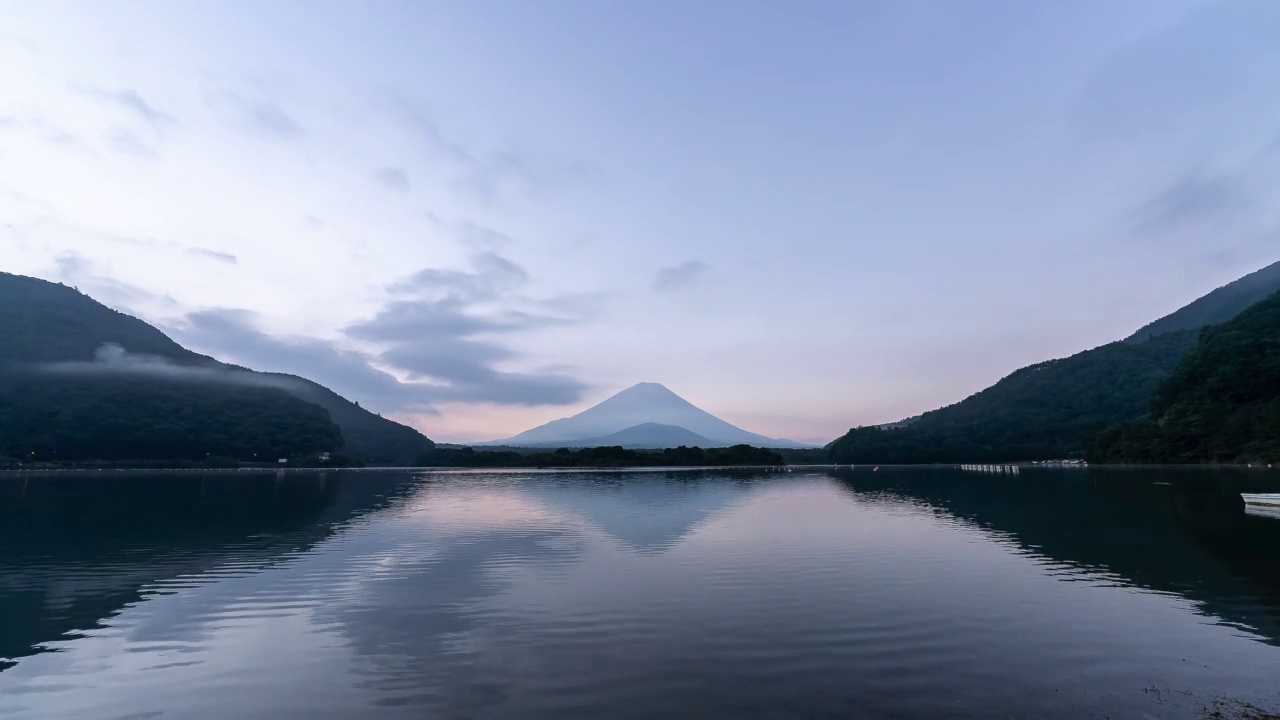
[1266, 499]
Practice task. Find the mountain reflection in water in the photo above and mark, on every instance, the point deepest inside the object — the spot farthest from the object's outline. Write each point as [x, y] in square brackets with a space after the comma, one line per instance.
[900, 593]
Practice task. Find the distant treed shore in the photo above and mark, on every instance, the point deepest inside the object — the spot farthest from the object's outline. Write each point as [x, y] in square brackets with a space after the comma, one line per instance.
[466, 457]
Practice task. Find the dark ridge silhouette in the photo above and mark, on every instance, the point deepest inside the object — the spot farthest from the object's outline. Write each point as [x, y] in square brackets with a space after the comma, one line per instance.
[1218, 306]
[55, 329]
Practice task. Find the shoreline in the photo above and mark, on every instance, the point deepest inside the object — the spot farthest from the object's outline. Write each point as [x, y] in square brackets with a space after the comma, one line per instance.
[634, 468]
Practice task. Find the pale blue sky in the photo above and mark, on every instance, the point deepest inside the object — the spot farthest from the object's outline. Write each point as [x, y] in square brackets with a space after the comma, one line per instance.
[801, 216]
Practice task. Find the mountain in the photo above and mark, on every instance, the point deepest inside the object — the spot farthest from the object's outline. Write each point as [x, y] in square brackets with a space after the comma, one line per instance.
[1053, 409]
[1218, 306]
[652, 435]
[1048, 410]
[54, 335]
[641, 404]
[77, 417]
[370, 438]
[1221, 404]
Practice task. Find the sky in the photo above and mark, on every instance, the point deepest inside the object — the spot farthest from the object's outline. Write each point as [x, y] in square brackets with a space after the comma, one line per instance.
[476, 217]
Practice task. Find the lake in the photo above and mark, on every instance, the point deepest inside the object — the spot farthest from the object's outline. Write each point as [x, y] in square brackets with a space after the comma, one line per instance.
[901, 593]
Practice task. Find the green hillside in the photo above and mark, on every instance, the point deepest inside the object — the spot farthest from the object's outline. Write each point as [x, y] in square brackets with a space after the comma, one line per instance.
[370, 438]
[53, 417]
[1048, 410]
[47, 322]
[1055, 408]
[44, 322]
[1221, 404]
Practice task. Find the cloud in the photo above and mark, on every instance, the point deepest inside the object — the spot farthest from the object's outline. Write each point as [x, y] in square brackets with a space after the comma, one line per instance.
[127, 143]
[440, 327]
[506, 388]
[111, 358]
[1197, 200]
[1232, 198]
[220, 256]
[271, 121]
[406, 321]
[393, 178]
[680, 276]
[481, 237]
[54, 134]
[493, 275]
[432, 344]
[132, 100]
[437, 339]
[487, 177]
[350, 373]
[258, 118]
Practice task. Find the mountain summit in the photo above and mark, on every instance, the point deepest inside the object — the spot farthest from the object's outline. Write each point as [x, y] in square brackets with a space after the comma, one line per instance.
[652, 417]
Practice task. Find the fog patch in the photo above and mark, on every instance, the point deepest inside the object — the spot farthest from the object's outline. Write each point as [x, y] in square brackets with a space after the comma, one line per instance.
[113, 360]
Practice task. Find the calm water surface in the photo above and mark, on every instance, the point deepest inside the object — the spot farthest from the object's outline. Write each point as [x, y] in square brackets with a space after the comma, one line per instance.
[897, 594]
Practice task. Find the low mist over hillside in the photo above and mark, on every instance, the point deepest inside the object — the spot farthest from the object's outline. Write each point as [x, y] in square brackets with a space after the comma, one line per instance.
[79, 380]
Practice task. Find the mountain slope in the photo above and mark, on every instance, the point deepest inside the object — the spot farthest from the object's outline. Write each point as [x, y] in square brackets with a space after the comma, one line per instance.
[54, 417]
[1221, 404]
[652, 435]
[48, 322]
[370, 438]
[1218, 306]
[639, 404]
[1053, 409]
[1043, 411]
[57, 328]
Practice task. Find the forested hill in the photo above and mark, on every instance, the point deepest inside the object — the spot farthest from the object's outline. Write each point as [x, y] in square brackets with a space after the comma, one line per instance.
[47, 322]
[1221, 404]
[1049, 410]
[48, 417]
[46, 326]
[1054, 409]
[1218, 306]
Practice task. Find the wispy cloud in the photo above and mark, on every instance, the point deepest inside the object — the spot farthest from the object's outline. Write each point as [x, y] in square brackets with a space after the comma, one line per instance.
[440, 329]
[234, 334]
[260, 118]
[393, 178]
[488, 176]
[481, 237]
[680, 276]
[434, 341]
[1232, 197]
[50, 132]
[112, 359]
[132, 101]
[126, 142]
[492, 275]
[218, 255]
[1197, 200]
